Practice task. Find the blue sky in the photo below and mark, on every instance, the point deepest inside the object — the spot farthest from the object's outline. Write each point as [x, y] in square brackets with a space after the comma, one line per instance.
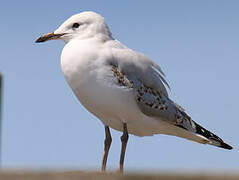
[196, 44]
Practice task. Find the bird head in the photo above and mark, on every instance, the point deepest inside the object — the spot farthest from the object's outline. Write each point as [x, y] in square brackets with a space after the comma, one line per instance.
[79, 26]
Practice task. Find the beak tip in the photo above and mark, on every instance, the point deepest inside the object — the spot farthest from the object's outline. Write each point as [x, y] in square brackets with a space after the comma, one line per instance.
[48, 36]
[39, 40]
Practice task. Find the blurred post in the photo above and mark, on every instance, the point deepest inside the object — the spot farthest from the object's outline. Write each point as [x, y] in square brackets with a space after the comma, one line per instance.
[1, 99]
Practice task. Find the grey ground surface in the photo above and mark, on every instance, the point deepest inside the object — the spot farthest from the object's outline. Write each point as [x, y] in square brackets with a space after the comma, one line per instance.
[80, 175]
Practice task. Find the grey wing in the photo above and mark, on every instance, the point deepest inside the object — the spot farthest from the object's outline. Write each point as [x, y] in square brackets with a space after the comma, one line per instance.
[151, 95]
[137, 66]
[154, 102]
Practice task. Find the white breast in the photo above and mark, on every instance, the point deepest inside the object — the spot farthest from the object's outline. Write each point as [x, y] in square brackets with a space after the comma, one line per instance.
[93, 83]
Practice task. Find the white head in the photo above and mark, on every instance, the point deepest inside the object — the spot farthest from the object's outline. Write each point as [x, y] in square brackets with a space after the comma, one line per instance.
[83, 25]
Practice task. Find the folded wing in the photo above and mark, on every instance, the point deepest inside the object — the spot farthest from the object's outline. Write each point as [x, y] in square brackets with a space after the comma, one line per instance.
[147, 81]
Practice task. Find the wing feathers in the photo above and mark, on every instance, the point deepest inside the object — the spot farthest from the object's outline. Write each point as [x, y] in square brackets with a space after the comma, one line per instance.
[155, 103]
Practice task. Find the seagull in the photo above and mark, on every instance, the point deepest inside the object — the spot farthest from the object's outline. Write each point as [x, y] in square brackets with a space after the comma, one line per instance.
[123, 88]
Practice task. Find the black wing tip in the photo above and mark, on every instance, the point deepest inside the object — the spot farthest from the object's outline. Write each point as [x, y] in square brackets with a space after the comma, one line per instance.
[225, 146]
[207, 134]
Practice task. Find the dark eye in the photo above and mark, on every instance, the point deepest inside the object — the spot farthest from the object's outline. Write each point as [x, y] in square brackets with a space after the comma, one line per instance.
[75, 25]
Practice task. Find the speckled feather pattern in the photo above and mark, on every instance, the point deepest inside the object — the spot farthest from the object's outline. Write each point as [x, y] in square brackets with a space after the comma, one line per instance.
[156, 101]
[152, 99]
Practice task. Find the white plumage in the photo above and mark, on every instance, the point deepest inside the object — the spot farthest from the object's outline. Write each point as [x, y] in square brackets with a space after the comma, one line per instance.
[121, 86]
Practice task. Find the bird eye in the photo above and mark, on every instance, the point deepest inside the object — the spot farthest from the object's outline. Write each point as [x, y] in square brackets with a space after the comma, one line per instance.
[75, 25]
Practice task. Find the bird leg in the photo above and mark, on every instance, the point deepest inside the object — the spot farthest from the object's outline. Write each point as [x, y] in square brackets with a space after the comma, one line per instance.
[108, 141]
[124, 139]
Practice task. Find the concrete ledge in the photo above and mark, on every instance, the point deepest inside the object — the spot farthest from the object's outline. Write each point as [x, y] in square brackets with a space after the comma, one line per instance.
[79, 175]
